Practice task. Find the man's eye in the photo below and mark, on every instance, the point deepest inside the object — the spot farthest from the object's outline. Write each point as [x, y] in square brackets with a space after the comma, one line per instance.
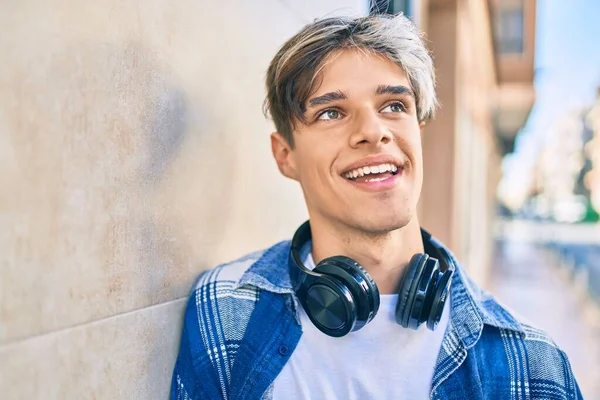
[329, 115]
[394, 108]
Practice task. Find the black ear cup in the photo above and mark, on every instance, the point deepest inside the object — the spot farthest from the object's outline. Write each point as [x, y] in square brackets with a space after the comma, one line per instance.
[360, 283]
[408, 285]
[439, 300]
[423, 292]
[330, 306]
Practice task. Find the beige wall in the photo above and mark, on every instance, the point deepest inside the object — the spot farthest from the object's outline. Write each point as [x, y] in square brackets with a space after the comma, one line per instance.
[133, 154]
[461, 159]
[437, 197]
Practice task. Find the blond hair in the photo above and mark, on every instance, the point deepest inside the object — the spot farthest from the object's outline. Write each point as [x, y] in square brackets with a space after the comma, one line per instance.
[295, 70]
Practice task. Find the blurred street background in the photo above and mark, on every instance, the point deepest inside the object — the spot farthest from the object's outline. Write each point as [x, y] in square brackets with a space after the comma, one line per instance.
[134, 154]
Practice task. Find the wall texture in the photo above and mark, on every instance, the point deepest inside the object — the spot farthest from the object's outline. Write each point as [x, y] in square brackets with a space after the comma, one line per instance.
[133, 155]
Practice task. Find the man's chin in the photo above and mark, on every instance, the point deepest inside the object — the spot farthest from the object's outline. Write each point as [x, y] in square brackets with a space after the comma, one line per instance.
[383, 225]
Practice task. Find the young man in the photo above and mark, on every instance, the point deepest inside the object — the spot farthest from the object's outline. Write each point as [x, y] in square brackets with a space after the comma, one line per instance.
[386, 312]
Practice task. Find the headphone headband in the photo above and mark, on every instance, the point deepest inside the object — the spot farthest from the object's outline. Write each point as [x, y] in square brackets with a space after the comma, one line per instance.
[298, 271]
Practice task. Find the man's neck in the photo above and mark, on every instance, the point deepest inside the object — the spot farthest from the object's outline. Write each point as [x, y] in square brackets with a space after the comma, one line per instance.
[384, 256]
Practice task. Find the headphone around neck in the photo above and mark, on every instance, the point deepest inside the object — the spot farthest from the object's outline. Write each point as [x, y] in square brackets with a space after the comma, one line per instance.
[340, 296]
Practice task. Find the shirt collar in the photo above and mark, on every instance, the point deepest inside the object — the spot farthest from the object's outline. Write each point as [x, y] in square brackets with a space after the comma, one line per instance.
[270, 271]
[471, 307]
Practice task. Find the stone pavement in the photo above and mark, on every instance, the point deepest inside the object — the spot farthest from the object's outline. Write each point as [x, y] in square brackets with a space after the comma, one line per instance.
[531, 281]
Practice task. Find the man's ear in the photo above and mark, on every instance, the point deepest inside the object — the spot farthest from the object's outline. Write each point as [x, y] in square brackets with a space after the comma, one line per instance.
[284, 156]
[422, 127]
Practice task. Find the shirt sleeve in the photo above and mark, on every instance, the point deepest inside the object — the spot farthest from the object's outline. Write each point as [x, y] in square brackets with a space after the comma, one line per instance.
[192, 361]
[183, 382]
[573, 388]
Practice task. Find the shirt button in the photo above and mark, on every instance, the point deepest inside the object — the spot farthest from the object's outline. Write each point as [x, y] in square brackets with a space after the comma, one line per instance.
[284, 350]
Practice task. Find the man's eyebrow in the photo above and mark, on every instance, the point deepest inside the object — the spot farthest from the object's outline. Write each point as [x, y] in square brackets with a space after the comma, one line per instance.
[326, 98]
[389, 89]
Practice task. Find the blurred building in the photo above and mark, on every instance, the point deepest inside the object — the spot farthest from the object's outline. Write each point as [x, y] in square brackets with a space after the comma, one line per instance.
[484, 60]
[514, 29]
[592, 149]
[565, 183]
[559, 193]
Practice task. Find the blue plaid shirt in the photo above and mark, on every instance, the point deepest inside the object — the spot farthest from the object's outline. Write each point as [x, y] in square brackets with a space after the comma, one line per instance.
[242, 325]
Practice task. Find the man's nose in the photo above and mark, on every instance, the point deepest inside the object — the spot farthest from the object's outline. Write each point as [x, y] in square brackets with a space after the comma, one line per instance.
[370, 129]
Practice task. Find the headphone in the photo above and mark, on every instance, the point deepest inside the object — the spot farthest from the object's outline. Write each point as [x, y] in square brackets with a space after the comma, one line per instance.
[340, 296]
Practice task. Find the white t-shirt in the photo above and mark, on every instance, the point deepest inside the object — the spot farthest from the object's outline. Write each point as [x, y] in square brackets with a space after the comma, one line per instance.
[382, 360]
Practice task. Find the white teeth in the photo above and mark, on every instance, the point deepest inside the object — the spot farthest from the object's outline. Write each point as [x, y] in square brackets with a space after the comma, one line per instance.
[375, 179]
[375, 169]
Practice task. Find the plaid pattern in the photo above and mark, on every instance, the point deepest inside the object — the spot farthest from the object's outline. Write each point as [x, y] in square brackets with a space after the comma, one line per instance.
[241, 326]
[216, 301]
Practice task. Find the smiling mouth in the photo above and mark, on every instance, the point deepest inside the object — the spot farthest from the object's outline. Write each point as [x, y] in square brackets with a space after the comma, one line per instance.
[374, 173]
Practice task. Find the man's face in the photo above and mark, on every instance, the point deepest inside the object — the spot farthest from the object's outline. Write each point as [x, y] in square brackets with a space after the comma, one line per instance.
[358, 156]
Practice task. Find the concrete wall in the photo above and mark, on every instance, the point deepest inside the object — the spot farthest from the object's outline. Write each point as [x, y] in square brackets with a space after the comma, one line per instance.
[133, 154]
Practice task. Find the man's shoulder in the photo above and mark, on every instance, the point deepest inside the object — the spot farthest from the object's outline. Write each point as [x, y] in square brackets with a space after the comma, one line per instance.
[221, 284]
[229, 272]
[219, 306]
[521, 326]
[241, 278]
[527, 350]
[545, 358]
[217, 315]
[509, 336]
[501, 319]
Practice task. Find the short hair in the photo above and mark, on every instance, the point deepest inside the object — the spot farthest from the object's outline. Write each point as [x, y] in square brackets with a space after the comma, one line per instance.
[295, 70]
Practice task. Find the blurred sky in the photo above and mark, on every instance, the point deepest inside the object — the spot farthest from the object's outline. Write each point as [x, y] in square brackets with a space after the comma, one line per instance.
[567, 63]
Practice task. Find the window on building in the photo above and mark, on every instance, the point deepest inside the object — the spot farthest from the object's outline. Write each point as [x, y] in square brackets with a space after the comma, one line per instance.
[391, 7]
[508, 28]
